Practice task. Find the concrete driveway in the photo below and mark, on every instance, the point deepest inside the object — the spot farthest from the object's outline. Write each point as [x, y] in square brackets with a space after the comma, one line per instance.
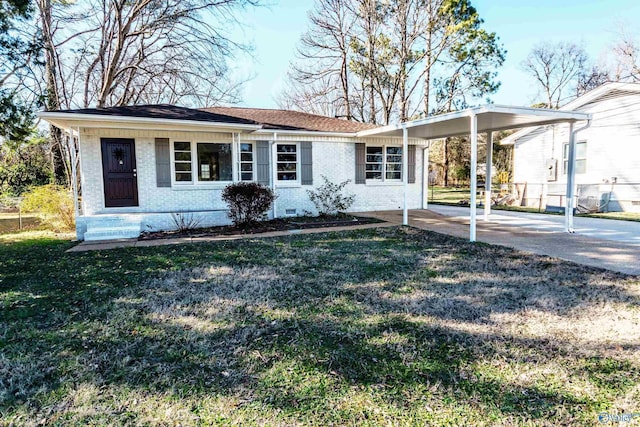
[603, 243]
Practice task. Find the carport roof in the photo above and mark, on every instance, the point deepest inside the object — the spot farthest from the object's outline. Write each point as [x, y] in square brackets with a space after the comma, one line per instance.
[490, 118]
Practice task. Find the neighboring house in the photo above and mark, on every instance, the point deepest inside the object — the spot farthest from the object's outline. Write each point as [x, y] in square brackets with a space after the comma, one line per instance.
[139, 166]
[607, 154]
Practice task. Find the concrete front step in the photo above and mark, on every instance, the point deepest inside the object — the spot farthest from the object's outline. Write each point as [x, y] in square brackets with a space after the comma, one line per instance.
[112, 233]
[112, 227]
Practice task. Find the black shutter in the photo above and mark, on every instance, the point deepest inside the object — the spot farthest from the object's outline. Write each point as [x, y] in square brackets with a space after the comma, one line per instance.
[411, 162]
[163, 163]
[360, 163]
[262, 162]
[306, 163]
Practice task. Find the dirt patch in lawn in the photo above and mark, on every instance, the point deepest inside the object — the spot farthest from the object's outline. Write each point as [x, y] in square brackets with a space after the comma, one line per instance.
[279, 224]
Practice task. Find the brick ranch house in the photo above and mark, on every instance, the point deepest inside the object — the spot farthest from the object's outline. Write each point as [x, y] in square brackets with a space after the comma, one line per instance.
[140, 165]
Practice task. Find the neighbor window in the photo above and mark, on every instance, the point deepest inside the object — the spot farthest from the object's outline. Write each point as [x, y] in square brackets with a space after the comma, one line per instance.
[214, 162]
[287, 162]
[182, 161]
[246, 162]
[384, 163]
[581, 157]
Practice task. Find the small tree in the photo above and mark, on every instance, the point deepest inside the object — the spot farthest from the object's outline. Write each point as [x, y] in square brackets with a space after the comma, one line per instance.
[248, 202]
[329, 199]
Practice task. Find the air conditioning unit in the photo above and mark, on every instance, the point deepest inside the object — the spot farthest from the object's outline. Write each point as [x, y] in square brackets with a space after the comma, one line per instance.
[552, 170]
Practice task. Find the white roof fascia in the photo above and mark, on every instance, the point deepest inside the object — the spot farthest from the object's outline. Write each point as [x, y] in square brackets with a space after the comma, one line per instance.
[552, 115]
[58, 119]
[306, 132]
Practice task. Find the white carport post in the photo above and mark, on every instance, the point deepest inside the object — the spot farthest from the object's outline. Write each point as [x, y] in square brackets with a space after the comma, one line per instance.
[274, 171]
[487, 180]
[425, 177]
[405, 173]
[474, 178]
[571, 178]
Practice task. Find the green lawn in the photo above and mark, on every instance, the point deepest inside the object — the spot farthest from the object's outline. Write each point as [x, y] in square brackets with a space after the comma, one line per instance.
[388, 326]
[456, 196]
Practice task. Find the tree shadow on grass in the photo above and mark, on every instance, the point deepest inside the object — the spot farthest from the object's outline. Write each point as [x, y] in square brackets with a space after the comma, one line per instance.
[299, 325]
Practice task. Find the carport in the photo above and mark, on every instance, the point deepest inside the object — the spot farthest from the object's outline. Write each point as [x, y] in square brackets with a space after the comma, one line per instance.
[484, 119]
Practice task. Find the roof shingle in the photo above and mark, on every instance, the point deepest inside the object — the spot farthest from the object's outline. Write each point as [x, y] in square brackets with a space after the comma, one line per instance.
[292, 120]
[163, 111]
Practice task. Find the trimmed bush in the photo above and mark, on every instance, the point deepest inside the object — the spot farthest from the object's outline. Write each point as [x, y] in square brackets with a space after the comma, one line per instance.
[53, 204]
[248, 202]
[329, 199]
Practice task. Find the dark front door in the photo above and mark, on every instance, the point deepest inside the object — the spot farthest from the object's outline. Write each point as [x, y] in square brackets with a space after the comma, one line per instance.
[119, 172]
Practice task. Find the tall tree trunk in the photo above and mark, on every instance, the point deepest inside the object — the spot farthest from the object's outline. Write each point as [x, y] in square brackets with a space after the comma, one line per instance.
[445, 161]
[371, 37]
[52, 95]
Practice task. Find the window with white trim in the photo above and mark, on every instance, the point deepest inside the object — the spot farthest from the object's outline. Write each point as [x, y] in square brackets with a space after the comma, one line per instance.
[287, 162]
[246, 162]
[182, 161]
[214, 162]
[383, 163]
[202, 162]
[581, 157]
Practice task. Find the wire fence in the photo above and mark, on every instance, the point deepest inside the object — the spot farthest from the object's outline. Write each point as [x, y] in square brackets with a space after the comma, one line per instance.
[12, 217]
[589, 198]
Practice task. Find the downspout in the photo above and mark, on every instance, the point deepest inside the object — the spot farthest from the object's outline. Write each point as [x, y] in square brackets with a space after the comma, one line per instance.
[274, 172]
[571, 177]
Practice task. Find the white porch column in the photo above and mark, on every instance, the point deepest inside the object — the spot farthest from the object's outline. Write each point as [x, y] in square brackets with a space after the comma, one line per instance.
[425, 177]
[474, 178]
[488, 171]
[74, 170]
[405, 174]
[571, 179]
[235, 155]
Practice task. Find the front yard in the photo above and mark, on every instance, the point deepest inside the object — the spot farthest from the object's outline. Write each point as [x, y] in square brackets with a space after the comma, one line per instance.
[389, 326]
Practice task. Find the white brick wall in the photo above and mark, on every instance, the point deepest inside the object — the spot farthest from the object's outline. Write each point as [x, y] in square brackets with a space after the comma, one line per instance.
[334, 159]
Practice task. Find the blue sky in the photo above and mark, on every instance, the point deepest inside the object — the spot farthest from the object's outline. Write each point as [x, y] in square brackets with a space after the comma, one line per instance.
[274, 32]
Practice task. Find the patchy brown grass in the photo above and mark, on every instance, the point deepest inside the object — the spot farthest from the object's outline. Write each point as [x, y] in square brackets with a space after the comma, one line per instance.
[373, 327]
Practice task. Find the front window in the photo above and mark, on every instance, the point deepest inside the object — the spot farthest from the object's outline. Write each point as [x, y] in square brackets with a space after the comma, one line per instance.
[214, 162]
[287, 162]
[246, 162]
[384, 163]
[375, 162]
[581, 157]
[393, 163]
[182, 161]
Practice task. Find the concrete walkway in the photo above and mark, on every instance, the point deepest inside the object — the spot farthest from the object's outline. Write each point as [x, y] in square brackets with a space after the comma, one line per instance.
[603, 243]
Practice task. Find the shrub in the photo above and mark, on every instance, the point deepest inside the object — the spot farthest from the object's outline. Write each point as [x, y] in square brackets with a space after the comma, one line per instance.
[248, 202]
[329, 199]
[53, 204]
[186, 221]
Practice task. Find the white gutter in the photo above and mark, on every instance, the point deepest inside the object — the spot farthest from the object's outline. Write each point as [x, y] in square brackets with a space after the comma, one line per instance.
[307, 132]
[53, 116]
